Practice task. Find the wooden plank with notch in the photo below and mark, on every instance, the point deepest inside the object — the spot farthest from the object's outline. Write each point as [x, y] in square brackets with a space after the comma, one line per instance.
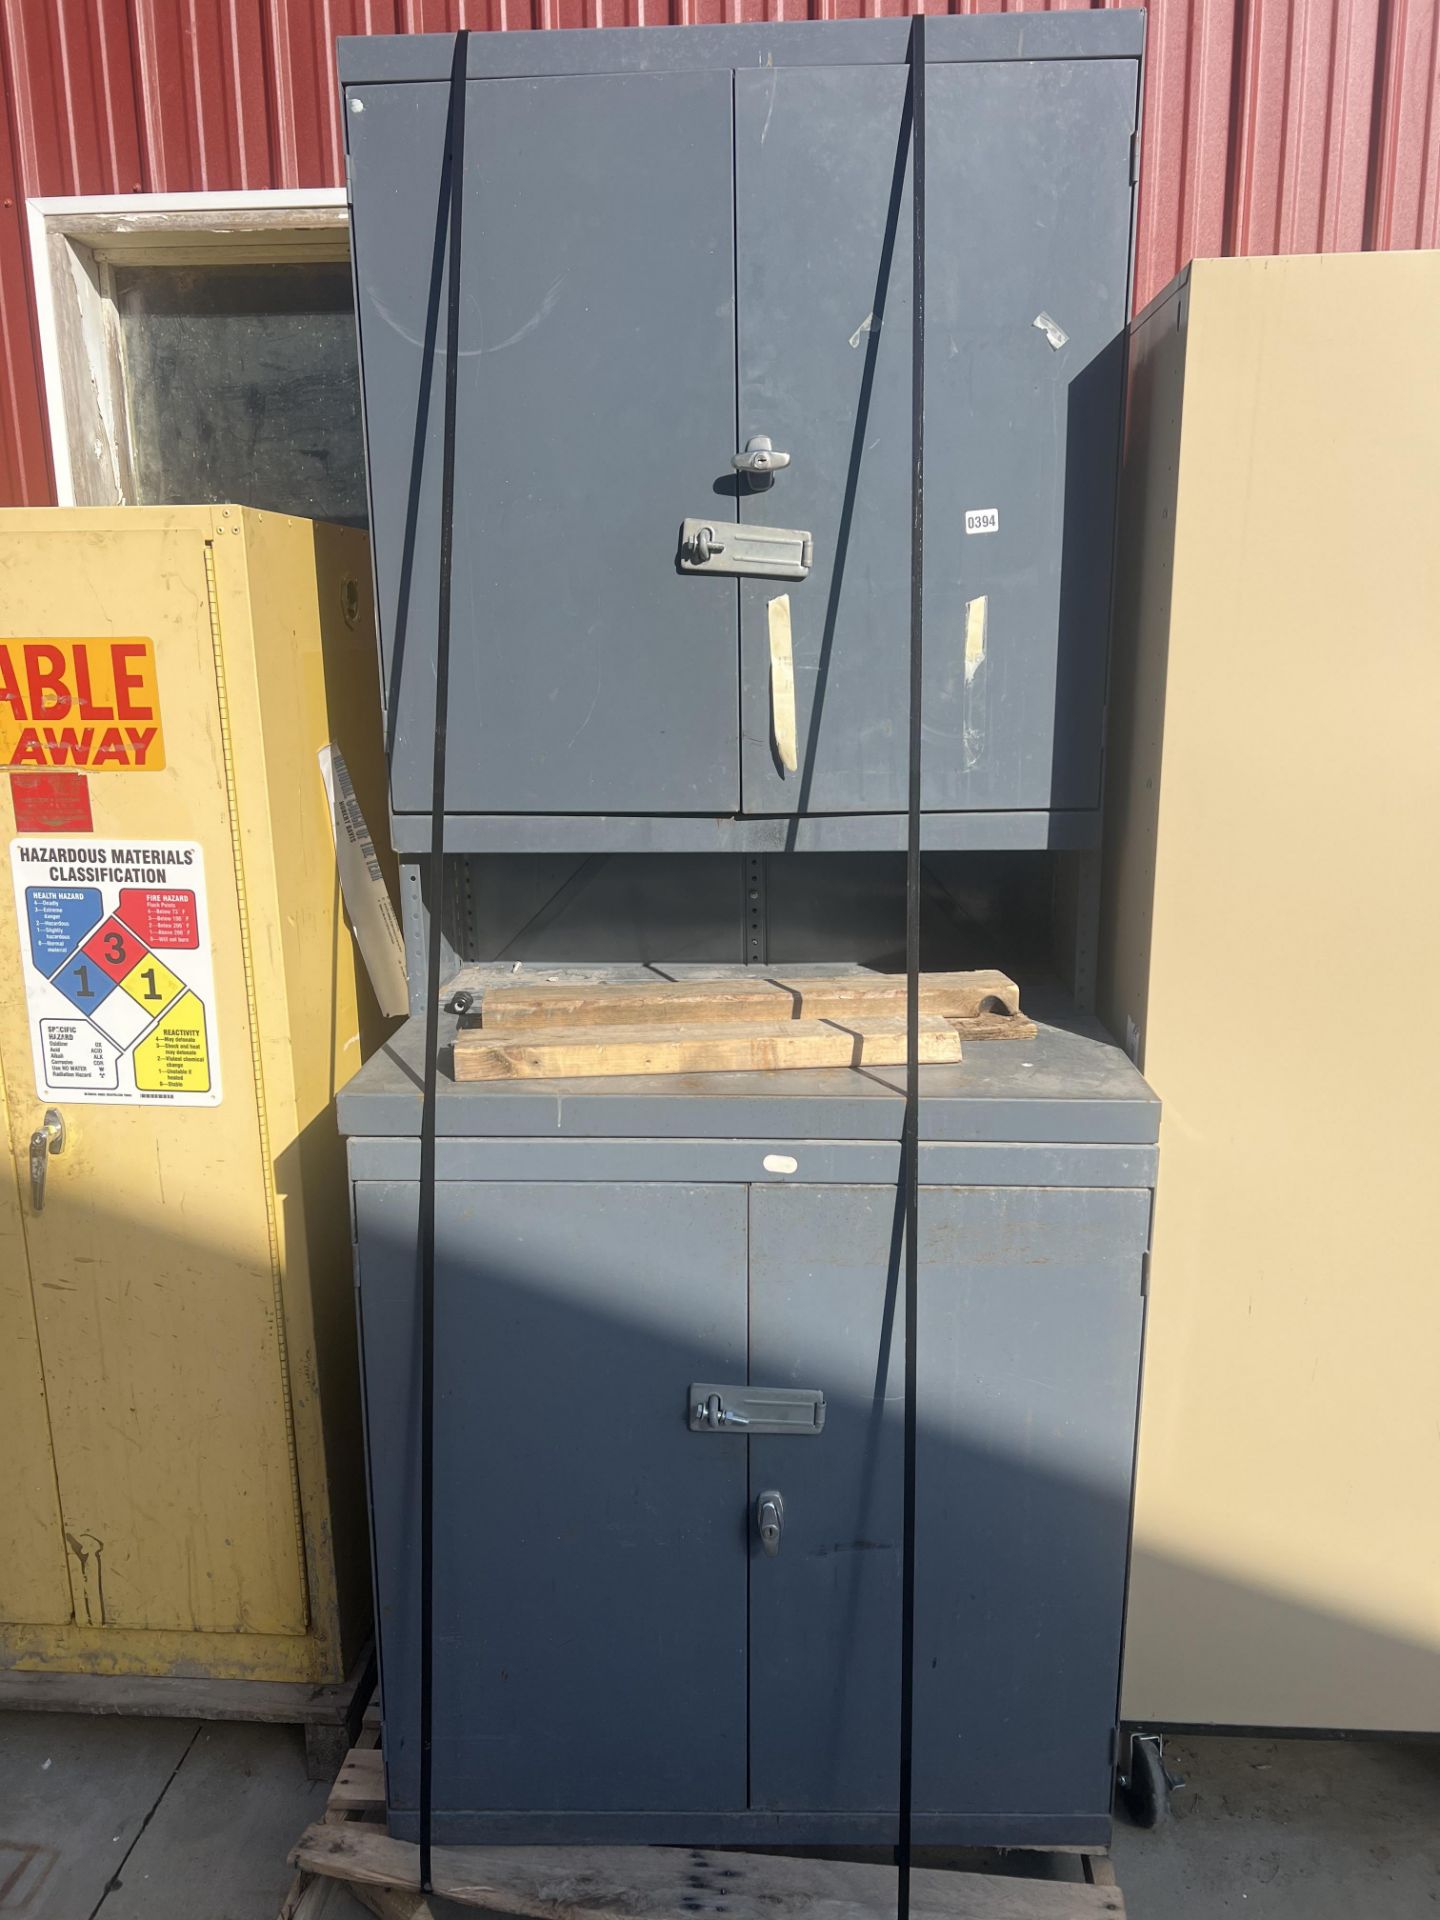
[748, 998]
[636, 1883]
[359, 1786]
[585, 1052]
[358, 1793]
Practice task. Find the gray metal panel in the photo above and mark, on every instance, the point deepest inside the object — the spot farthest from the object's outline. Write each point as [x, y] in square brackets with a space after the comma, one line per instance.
[825, 1311]
[666, 910]
[1029, 214]
[1028, 174]
[416, 920]
[587, 1563]
[1030, 830]
[1030, 1316]
[832, 1162]
[1062, 1086]
[1059, 36]
[1028, 1375]
[596, 401]
[822, 238]
[707, 1828]
[591, 908]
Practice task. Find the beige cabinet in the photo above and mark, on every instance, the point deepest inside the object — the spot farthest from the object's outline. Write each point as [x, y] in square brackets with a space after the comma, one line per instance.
[183, 1493]
[1271, 951]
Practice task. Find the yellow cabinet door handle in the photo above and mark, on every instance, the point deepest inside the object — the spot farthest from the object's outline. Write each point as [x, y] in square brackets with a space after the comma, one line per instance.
[782, 683]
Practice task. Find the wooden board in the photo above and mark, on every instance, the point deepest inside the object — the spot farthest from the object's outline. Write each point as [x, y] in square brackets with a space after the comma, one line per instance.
[634, 1883]
[358, 1793]
[190, 1697]
[750, 997]
[572, 1053]
[359, 1786]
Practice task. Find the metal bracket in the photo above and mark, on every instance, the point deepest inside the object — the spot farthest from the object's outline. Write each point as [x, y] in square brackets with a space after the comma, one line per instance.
[724, 546]
[756, 930]
[797, 1410]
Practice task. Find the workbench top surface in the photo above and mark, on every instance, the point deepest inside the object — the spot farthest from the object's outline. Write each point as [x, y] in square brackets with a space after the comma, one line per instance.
[1069, 1083]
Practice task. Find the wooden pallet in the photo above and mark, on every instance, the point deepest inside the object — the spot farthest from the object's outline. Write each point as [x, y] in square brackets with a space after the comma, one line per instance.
[351, 1847]
[330, 1715]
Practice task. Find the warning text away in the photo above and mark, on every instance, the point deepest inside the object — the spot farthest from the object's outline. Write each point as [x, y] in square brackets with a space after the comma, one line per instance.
[80, 703]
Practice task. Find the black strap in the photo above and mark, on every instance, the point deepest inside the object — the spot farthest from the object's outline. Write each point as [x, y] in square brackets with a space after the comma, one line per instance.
[453, 188]
[910, 1139]
[910, 1161]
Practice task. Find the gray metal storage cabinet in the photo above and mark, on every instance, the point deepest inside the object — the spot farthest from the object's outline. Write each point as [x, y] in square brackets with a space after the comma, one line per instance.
[684, 241]
[617, 1657]
[683, 393]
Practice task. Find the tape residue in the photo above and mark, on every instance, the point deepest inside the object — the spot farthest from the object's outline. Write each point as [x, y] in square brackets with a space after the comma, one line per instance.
[977, 615]
[1052, 330]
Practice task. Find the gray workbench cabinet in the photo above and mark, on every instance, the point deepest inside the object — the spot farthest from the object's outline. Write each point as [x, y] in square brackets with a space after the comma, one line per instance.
[687, 253]
[675, 241]
[617, 1657]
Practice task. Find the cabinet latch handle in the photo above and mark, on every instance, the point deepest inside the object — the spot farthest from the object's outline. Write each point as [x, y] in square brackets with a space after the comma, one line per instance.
[760, 461]
[48, 1138]
[769, 1519]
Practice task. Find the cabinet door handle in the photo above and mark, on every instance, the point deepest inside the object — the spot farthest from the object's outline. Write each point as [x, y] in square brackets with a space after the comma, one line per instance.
[48, 1138]
[760, 461]
[769, 1521]
[782, 683]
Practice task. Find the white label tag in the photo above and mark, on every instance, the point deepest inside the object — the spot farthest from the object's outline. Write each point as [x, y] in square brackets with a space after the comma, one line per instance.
[982, 520]
[363, 889]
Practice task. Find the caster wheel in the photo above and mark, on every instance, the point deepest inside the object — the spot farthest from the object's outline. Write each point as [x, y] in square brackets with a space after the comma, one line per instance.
[1145, 1788]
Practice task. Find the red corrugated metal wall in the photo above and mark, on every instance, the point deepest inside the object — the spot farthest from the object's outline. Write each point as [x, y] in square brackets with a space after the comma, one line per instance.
[1270, 125]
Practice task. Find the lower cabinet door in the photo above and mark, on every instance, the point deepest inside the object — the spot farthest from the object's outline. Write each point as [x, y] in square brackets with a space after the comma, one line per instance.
[826, 1311]
[590, 1577]
[1028, 1366]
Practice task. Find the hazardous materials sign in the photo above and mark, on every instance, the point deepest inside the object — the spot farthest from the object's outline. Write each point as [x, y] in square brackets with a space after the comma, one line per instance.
[119, 981]
[89, 704]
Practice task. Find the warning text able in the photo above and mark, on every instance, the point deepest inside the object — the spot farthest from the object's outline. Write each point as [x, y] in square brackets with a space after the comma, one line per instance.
[80, 703]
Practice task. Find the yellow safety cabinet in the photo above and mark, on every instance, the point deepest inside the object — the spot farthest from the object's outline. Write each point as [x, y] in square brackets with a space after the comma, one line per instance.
[1271, 947]
[181, 1507]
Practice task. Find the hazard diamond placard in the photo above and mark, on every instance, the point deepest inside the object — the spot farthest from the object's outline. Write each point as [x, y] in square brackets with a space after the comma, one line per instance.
[118, 976]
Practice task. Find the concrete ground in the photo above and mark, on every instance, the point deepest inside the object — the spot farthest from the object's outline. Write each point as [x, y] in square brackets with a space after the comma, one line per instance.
[1291, 1830]
[178, 1820]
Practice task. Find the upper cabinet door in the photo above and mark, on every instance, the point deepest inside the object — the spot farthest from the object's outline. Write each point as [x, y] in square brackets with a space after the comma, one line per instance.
[822, 206]
[596, 409]
[1028, 231]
